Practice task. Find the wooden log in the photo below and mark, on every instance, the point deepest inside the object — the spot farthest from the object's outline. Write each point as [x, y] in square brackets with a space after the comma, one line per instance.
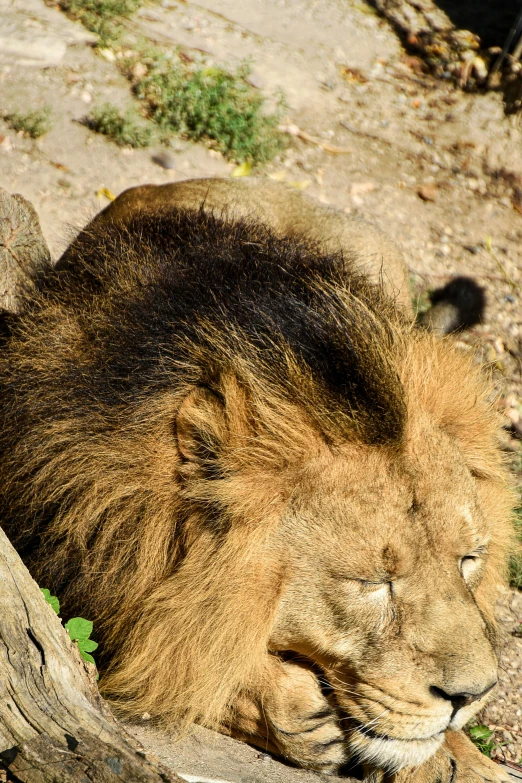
[427, 29]
[54, 726]
[23, 250]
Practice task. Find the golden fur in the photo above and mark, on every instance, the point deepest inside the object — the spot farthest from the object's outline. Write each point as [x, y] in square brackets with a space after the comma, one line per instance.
[254, 529]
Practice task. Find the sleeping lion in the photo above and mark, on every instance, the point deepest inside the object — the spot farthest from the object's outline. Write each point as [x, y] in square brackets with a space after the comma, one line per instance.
[283, 506]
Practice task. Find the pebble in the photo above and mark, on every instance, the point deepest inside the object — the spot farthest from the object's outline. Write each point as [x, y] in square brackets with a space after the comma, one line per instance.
[428, 192]
[6, 145]
[139, 72]
[164, 159]
[108, 55]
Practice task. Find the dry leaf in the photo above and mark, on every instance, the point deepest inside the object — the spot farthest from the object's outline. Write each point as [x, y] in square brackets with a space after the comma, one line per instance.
[60, 166]
[243, 170]
[104, 192]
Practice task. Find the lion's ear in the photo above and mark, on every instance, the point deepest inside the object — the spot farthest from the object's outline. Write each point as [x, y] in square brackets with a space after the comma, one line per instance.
[201, 427]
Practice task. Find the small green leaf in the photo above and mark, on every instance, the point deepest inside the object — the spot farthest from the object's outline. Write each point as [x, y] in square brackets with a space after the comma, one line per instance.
[87, 657]
[51, 599]
[79, 628]
[480, 733]
[87, 645]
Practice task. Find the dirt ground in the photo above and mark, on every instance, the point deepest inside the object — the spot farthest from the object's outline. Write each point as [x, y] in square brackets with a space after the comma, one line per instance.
[437, 169]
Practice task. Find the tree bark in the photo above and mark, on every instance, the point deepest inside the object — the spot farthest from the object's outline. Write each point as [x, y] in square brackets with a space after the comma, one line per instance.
[23, 251]
[54, 727]
[425, 28]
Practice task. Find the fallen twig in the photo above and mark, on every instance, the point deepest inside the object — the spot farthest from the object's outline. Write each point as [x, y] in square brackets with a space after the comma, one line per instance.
[294, 130]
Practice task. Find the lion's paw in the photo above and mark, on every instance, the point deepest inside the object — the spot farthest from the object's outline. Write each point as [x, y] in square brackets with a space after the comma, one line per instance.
[318, 744]
[303, 725]
[458, 761]
[471, 765]
[289, 715]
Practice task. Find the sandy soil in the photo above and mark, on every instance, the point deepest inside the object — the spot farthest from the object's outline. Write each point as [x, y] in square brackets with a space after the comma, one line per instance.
[439, 170]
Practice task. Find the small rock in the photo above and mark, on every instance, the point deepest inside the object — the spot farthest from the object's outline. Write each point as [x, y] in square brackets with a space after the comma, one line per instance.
[139, 72]
[428, 192]
[108, 55]
[164, 159]
[6, 145]
[86, 97]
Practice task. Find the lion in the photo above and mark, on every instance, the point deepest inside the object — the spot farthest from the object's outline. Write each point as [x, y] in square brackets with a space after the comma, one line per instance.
[283, 505]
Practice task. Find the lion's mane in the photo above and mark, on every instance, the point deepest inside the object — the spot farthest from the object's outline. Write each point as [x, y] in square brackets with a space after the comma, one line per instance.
[93, 488]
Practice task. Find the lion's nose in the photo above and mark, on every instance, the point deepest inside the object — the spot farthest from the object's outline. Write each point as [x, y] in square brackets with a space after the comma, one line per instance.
[460, 700]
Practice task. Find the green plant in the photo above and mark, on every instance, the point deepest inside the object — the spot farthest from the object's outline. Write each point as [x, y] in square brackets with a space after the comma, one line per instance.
[515, 563]
[482, 737]
[201, 103]
[124, 128]
[78, 629]
[101, 16]
[34, 123]
[212, 104]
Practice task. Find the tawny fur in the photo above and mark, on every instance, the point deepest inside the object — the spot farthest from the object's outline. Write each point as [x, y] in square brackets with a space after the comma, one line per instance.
[149, 497]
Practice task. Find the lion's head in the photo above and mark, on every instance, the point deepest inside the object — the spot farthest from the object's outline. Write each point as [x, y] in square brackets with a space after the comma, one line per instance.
[389, 555]
[231, 446]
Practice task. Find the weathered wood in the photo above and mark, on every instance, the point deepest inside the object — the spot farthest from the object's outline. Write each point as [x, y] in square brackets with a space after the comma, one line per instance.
[428, 30]
[23, 250]
[53, 724]
[460, 54]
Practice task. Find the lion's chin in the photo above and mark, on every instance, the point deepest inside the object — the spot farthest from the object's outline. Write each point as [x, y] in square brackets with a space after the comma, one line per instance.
[393, 754]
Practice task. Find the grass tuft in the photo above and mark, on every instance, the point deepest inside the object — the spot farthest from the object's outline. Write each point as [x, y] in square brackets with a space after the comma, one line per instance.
[515, 564]
[208, 104]
[33, 124]
[126, 129]
[101, 16]
[213, 105]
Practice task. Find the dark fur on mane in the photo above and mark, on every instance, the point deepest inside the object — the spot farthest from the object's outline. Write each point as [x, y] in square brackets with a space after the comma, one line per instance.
[172, 301]
[146, 294]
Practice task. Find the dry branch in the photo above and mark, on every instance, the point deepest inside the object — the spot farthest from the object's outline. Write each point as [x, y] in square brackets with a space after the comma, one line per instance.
[456, 53]
[54, 726]
[23, 251]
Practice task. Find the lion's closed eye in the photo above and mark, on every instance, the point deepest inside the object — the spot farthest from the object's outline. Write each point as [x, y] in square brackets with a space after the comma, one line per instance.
[375, 588]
